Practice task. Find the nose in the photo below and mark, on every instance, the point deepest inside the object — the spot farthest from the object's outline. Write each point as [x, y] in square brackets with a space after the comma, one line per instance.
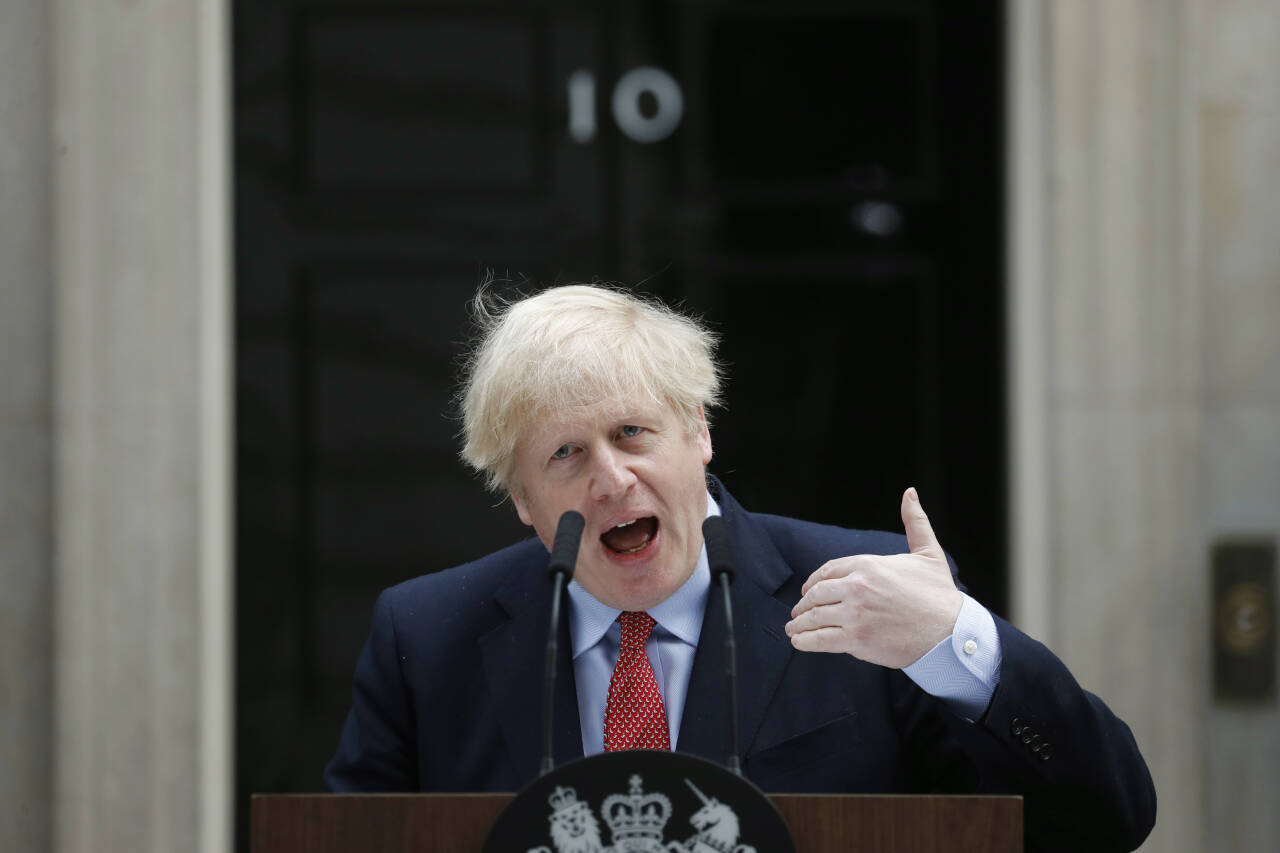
[611, 477]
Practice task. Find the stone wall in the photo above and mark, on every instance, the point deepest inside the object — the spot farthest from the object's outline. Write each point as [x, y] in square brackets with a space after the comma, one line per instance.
[1236, 124]
[115, 647]
[1145, 292]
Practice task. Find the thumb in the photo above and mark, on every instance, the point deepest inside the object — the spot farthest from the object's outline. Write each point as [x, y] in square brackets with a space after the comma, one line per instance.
[920, 535]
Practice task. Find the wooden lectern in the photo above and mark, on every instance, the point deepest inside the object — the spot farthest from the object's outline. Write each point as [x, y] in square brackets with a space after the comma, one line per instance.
[444, 823]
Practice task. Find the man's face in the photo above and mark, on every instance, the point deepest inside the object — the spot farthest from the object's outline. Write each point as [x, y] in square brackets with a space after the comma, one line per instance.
[637, 477]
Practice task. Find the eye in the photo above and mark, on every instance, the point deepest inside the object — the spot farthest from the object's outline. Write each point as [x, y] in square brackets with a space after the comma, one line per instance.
[630, 431]
[564, 451]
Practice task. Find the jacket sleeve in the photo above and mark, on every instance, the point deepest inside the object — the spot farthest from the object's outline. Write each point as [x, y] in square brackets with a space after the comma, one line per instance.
[378, 743]
[1077, 766]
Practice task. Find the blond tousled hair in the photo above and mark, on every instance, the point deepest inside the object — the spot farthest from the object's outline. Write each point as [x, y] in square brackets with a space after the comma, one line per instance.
[572, 347]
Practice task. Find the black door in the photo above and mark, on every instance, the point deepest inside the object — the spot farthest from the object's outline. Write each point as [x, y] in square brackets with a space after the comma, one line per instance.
[820, 180]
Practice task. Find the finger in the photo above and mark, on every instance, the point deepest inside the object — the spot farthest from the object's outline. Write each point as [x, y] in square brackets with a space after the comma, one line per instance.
[830, 569]
[920, 536]
[822, 616]
[821, 594]
[821, 640]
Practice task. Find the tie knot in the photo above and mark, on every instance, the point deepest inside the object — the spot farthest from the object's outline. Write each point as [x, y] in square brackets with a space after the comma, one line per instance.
[636, 625]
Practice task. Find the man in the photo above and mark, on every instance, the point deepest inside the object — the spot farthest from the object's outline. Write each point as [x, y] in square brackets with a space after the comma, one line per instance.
[590, 399]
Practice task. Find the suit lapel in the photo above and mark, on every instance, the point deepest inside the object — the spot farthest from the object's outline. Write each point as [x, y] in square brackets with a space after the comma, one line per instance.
[514, 658]
[763, 648]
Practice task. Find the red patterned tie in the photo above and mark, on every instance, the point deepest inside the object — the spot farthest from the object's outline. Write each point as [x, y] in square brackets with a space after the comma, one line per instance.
[634, 717]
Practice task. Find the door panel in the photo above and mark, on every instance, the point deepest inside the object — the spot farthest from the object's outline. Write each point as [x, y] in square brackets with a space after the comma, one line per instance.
[829, 201]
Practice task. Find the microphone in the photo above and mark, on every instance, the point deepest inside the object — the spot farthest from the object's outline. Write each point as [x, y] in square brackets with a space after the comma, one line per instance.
[564, 555]
[564, 550]
[715, 534]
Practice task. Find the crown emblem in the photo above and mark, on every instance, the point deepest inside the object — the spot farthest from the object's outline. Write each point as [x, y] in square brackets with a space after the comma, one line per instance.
[637, 819]
[563, 798]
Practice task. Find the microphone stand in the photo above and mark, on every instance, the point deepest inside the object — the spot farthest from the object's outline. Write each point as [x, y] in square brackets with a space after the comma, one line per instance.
[731, 674]
[564, 554]
[720, 559]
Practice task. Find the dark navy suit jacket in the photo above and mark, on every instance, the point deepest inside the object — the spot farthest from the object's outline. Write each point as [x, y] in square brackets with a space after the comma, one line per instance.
[447, 697]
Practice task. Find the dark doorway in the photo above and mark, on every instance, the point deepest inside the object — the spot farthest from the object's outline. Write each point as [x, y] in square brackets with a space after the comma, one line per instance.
[830, 200]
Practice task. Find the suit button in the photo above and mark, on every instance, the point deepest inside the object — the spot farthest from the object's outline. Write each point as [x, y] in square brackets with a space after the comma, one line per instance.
[1045, 751]
[1016, 727]
[1027, 735]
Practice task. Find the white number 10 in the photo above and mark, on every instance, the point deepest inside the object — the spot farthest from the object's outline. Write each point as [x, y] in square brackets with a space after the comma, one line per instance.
[626, 105]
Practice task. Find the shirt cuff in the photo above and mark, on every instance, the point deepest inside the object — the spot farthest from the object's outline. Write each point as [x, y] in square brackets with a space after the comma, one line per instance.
[964, 669]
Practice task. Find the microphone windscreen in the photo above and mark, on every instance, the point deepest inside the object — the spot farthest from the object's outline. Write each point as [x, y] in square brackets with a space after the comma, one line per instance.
[564, 551]
[715, 533]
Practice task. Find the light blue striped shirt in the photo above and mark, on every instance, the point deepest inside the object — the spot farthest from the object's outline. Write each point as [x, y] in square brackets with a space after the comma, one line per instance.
[963, 670]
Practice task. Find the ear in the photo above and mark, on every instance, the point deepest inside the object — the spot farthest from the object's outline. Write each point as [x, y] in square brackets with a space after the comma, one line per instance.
[522, 509]
[704, 437]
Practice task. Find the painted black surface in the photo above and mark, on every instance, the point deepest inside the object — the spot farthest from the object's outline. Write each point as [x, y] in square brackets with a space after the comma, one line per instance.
[831, 203]
[640, 800]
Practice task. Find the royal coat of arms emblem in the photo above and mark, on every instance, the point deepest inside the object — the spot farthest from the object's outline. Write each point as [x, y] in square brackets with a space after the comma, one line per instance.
[637, 822]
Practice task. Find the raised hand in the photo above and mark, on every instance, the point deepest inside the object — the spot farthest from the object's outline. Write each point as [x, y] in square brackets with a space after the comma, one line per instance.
[887, 610]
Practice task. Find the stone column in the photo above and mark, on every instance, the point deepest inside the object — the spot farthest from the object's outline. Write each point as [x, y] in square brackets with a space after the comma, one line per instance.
[1145, 369]
[26, 495]
[1105, 353]
[1124, 388]
[142, 354]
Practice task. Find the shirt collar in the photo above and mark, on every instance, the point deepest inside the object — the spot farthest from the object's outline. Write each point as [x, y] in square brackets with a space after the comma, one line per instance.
[680, 613]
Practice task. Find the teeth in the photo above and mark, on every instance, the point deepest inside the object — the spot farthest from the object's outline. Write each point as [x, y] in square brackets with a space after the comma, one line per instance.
[634, 550]
[625, 524]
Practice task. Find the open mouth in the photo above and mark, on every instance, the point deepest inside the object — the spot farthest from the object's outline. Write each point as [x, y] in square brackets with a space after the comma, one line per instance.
[630, 537]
